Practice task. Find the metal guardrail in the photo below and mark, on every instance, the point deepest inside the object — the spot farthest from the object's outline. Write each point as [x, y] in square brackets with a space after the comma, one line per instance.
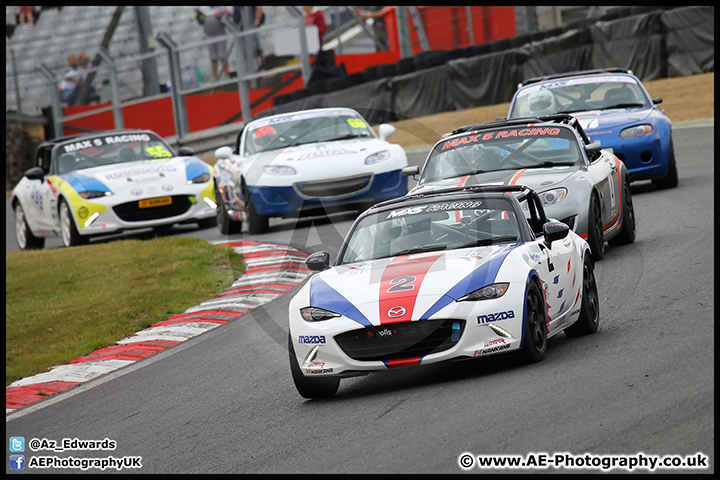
[178, 92]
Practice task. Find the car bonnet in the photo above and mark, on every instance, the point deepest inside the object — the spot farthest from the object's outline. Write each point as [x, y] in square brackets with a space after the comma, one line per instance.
[404, 288]
[152, 176]
[539, 179]
[594, 120]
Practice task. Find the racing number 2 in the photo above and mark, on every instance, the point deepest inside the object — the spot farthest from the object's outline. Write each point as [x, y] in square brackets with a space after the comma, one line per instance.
[401, 284]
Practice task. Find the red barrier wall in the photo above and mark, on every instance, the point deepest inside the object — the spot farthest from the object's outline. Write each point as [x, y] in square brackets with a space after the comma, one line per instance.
[446, 29]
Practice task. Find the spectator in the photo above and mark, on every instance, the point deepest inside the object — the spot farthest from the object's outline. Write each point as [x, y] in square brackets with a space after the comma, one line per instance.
[26, 15]
[258, 18]
[376, 15]
[84, 60]
[315, 16]
[213, 28]
[71, 82]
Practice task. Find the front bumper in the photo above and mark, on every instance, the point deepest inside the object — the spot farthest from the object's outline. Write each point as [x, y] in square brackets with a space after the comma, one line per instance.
[334, 194]
[462, 330]
[645, 158]
[181, 208]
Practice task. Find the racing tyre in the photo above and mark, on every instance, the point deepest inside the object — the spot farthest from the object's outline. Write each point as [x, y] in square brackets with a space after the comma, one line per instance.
[596, 235]
[225, 224]
[70, 235]
[590, 308]
[256, 223]
[535, 333]
[670, 180]
[310, 387]
[627, 231]
[24, 237]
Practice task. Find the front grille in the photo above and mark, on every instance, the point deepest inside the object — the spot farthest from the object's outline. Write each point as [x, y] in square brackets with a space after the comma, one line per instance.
[131, 212]
[401, 340]
[336, 188]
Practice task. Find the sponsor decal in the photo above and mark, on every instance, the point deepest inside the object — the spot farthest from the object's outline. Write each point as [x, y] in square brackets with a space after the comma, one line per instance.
[109, 140]
[356, 123]
[311, 339]
[486, 351]
[405, 211]
[437, 207]
[127, 138]
[494, 317]
[36, 198]
[318, 371]
[325, 152]
[140, 171]
[281, 119]
[520, 132]
[535, 258]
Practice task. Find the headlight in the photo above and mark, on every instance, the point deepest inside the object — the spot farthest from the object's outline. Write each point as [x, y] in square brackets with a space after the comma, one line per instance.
[202, 178]
[496, 290]
[314, 314]
[378, 157]
[636, 131]
[551, 197]
[279, 170]
[89, 194]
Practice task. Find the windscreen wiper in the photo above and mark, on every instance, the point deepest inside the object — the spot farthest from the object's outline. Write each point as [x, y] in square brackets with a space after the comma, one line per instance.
[345, 137]
[551, 164]
[472, 172]
[490, 241]
[410, 251]
[623, 105]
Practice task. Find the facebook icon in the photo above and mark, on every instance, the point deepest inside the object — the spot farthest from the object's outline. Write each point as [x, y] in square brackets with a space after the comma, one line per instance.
[17, 462]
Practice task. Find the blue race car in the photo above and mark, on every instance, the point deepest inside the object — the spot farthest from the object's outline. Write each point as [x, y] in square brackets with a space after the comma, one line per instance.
[612, 106]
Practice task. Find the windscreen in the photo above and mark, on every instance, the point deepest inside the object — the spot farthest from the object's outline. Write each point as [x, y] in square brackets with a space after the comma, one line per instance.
[502, 149]
[579, 95]
[109, 150]
[432, 227]
[301, 129]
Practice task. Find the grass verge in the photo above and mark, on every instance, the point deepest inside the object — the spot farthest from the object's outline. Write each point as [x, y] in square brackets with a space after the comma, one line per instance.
[64, 303]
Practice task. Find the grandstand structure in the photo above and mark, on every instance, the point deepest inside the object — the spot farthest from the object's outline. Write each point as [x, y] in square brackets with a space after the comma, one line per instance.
[67, 30]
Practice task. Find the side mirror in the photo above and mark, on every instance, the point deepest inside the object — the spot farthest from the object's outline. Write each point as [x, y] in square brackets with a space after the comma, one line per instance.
[223, 153]
[657, 101]
[318, 261]
[554, 231]
[410, 171]
[34, 173]
[186, 152]
[594, 147]
[385, 130]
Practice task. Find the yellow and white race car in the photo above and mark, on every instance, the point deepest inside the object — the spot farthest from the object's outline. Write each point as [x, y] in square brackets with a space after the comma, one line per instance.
[108, 182]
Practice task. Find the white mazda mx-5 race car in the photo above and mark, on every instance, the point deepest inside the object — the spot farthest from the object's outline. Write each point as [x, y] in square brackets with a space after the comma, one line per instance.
[303, 163]
[469, 272]
[108, 182]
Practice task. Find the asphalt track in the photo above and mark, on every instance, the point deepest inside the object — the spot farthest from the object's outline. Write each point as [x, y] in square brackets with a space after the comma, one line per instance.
[224, 402]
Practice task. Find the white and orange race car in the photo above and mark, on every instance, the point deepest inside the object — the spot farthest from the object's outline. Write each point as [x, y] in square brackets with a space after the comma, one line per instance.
[467, 273]
[579, 182]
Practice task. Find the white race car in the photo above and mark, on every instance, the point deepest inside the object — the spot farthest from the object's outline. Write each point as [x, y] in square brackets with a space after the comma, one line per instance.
[96, 184]
[471, 272]
[305, 163]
